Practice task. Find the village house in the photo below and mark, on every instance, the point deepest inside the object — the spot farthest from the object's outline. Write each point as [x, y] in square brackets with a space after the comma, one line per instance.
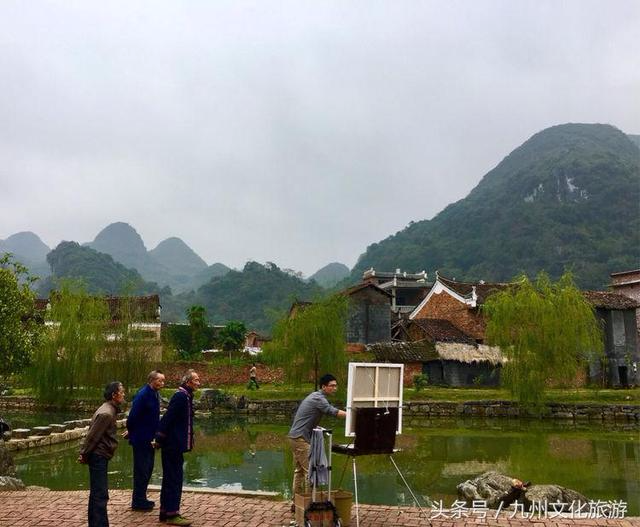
[459, 303]
[627, 283]
[446, 354]
[407, 289]
[368, 314]
[621, 361]
[456, 364]
[253, 342]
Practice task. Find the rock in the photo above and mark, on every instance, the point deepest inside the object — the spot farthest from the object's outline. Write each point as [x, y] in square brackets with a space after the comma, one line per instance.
[20, 433]
[7, 467]
[37, 487]
[9, 483]
[551, 494]
[57, 428]
[491, 487]
[495, 488]
[41, 430]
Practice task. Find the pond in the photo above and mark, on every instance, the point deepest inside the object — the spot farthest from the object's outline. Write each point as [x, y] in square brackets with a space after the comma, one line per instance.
[437, 454]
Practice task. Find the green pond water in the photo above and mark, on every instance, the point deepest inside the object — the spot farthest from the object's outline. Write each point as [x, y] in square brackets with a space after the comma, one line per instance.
[602, 462]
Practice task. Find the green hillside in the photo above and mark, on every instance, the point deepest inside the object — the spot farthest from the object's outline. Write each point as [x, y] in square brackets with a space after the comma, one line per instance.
[569, 197]
[255, 295]
[100, 273]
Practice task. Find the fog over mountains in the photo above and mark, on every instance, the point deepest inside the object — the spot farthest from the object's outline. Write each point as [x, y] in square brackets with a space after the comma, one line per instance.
[567, 198]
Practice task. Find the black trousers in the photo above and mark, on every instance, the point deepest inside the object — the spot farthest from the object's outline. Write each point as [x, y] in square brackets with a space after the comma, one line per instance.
[99, 491]
[172, 474]
[143, 460]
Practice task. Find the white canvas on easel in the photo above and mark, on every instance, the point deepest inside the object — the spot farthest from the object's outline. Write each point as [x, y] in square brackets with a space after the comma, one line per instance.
[373, 385]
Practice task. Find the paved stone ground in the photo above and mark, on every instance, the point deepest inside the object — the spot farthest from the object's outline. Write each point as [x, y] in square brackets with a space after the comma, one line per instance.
[68, 509]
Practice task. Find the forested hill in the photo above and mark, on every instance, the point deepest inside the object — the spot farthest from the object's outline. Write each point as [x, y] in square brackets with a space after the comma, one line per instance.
[257, 295]
[569, 197]
[98, 271]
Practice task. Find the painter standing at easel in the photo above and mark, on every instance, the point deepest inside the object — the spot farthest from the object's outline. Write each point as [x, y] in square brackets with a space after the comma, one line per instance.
[307, 417]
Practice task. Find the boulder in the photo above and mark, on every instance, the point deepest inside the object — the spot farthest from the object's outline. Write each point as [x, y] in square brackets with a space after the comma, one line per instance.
[495, 488]
[7, 467]
[9, 483]
[491, 487]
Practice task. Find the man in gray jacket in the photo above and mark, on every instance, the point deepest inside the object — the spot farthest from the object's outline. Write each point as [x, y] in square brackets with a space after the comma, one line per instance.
[307, 417]
[98, 448]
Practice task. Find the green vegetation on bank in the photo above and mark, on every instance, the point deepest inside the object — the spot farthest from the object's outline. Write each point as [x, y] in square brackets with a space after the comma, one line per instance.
[437, 393]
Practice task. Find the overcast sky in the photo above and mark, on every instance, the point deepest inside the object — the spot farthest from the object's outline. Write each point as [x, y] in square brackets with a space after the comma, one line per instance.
[295, 132]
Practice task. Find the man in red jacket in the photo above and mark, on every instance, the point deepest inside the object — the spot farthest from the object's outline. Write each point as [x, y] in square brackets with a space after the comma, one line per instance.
[98, 448]
[175, 437]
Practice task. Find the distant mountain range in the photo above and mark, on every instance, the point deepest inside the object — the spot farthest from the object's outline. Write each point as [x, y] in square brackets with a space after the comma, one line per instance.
[568, 198]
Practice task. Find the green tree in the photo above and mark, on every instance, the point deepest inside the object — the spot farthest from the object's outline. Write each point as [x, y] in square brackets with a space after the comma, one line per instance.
[231, 337]
[75, 340]
[198, 328]
[311, 341]
[128, 347]
[546, 330]
[20, 332]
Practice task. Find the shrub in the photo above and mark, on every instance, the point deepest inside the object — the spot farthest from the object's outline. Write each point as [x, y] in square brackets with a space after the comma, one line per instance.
[420, 381]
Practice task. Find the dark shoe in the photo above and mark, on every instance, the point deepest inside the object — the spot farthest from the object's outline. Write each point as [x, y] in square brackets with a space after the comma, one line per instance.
[144, 507]
[178, 520]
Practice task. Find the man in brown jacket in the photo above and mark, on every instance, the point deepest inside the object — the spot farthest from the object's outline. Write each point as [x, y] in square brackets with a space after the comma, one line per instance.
[98, 448]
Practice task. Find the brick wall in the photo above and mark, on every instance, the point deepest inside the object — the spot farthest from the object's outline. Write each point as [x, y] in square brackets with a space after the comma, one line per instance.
[445, 307]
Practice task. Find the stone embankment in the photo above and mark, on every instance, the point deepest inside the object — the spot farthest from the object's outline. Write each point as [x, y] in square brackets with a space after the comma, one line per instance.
[40, 436]
[560, 411]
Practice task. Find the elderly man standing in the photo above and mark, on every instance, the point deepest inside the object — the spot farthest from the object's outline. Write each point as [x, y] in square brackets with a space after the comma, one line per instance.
[142, 425]
[307, 417]
[175, 437]
[98, 448]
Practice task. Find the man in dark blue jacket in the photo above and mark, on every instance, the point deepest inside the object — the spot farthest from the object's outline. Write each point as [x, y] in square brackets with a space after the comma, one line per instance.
[175, 437]
[142, 425]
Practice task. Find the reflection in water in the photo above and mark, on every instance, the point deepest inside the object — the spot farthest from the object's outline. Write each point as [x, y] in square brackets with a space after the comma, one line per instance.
[437, 454]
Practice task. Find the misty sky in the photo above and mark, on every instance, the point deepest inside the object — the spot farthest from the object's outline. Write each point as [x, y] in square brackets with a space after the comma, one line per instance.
[295, 132]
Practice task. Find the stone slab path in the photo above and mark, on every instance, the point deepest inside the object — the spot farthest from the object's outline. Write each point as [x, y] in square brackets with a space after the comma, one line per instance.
[35, 508]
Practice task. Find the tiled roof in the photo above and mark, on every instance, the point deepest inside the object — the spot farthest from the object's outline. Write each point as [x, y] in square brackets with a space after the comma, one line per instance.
[465, 289]
[439, 330]
[609, 300]
[354, 289]
[402, 352]
[623, 273]
[406, 284]
[407, 352]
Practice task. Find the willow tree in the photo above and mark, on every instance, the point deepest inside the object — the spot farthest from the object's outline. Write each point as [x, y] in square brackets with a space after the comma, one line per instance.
[313, 340]
[128, 347]
[88, 345]
[74, 341]
[547, 331]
